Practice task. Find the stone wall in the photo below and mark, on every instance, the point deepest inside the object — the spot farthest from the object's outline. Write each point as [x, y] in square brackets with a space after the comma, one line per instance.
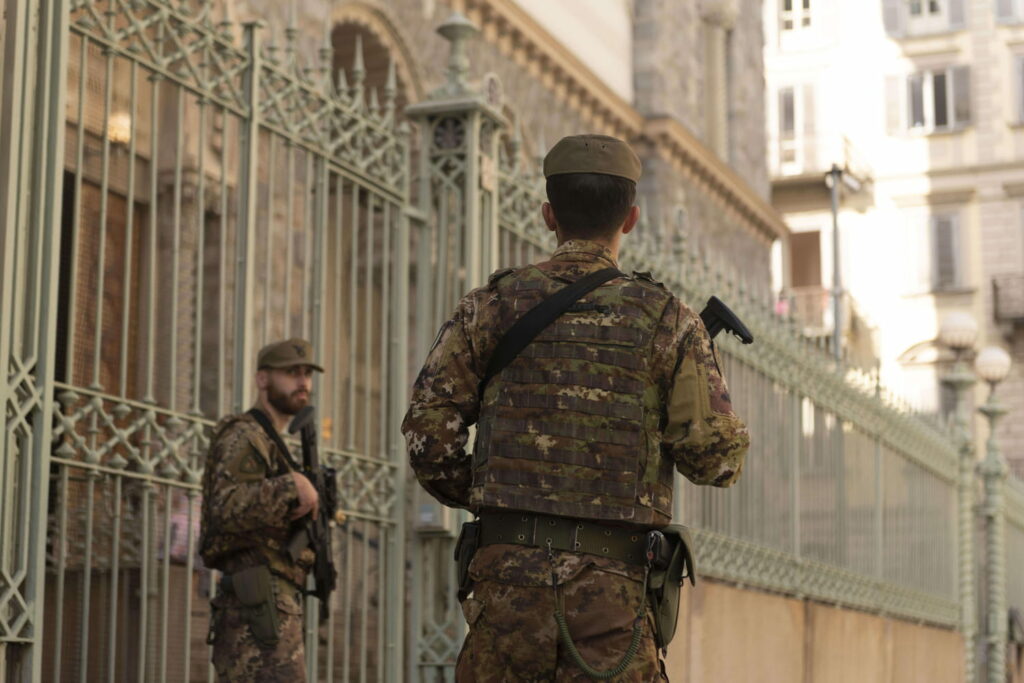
[730, 634]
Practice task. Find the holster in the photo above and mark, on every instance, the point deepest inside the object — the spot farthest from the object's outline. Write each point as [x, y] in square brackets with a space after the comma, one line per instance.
[465, 548]
[254, 588]
[671, 558]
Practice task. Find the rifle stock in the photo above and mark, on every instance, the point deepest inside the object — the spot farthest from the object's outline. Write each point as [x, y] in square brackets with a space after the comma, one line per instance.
[717, 317]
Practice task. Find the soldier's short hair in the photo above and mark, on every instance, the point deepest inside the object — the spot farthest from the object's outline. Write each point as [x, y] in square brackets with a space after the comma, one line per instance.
[590, 204]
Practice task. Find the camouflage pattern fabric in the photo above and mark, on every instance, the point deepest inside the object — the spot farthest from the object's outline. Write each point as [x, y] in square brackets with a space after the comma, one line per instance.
[696, 429]
[248, 494]
[687, 423]
[512, 631]
[238, 657]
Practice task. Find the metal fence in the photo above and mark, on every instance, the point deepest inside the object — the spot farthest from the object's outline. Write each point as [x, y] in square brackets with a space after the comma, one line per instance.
[217, 195]
[184, 193]
[1015, 544]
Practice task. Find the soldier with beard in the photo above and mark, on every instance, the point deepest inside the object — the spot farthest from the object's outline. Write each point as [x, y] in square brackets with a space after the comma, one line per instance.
[253, 495]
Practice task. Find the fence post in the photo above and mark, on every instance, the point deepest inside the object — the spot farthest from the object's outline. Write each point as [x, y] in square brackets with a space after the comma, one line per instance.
[31, 175]
[994, 472]
[962, 380]
[246, 248]
[456, 126]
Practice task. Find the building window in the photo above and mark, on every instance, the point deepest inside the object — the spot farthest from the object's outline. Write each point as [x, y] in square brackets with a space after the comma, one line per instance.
[946, 256]
[1018, 86]
[921, 8]
[787, 126]
[927, 16]
[921, 17]
[796, 14]
[796, 138]
[1009, 11]
[939, 100]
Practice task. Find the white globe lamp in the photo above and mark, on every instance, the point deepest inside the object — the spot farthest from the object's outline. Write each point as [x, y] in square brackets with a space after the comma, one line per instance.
[992, 364]
[958, 331]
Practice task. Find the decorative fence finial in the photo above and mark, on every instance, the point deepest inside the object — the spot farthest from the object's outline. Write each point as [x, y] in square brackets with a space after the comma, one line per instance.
[358, 73]
[390, 91]
[457, 29]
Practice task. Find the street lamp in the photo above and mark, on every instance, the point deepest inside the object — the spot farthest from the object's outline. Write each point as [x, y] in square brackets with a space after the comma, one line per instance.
[835, 177]
[958, 331]
[993, 365]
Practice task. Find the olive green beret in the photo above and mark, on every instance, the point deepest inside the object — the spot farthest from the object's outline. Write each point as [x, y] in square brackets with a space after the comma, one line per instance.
[286, 354]
[592, 154]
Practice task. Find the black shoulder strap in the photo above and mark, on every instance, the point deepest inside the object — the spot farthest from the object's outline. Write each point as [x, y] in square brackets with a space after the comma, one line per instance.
[539, 317]
[274, 436]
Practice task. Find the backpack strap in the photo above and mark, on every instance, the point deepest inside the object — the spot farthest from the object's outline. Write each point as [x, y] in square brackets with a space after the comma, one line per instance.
[539, 317]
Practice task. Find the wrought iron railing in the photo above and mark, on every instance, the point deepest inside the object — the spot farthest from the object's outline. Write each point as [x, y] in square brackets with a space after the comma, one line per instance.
[1008, 297]
[846, 497]
[249, 199]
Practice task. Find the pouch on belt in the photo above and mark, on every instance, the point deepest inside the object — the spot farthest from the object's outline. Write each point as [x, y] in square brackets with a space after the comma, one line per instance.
[465, 549]
[671, 565]
[254, 588]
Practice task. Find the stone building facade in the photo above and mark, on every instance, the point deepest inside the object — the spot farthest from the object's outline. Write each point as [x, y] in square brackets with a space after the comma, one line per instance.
[922, 103]
[691, 103]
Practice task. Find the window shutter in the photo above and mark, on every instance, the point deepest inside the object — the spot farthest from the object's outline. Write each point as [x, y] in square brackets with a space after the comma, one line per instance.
[1005, 11]
[944, 263]
[957, 20]
[787, 113]
[961, 95]
[810, 141]
[1018, 86]
[892, 17]
[893, 104]
[918, 249]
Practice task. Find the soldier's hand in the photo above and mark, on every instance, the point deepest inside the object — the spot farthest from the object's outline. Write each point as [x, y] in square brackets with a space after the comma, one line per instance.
[309, 501]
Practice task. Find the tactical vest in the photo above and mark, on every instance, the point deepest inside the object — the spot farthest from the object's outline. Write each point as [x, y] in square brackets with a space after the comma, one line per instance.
[572, 426]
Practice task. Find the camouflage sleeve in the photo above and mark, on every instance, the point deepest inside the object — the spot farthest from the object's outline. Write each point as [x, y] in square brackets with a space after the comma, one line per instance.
[444, 404]
[244, 498]
[702, 435]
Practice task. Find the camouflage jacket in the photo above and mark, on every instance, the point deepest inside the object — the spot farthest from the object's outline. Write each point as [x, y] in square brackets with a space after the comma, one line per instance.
[700, 434]
[248, 494]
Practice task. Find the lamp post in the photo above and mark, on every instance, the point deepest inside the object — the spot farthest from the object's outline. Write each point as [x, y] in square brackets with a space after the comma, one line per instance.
[958, 331]
[993, 365]
[832, 180]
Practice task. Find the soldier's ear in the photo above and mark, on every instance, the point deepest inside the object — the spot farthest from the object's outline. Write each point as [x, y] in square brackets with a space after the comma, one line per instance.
[549, 216]
[262, 379]
[631, 218]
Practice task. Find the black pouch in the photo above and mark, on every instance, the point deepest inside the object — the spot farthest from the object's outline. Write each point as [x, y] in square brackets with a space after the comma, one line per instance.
[215, 617]
[254, 588]
[465, 549]
[671, 556]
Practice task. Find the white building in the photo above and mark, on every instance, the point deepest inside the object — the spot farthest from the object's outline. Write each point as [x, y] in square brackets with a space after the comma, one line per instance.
[922, 101]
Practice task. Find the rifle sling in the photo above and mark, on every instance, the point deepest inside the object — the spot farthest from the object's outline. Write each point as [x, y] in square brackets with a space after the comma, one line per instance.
[539, 317]
[274, 436]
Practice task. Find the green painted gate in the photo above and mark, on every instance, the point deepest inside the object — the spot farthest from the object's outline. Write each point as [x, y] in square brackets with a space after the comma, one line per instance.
[177, 190]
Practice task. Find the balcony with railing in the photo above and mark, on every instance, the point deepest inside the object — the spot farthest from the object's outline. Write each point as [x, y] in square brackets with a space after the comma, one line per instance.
[799, 162]
[1008, 298]
[812, 308]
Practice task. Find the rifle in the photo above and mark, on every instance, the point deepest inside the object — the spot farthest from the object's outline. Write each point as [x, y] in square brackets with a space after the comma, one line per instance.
[717, 317]
[316, 534]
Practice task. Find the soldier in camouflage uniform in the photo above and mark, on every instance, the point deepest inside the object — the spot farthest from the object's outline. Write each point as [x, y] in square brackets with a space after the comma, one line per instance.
[252, 499]
[585, 427]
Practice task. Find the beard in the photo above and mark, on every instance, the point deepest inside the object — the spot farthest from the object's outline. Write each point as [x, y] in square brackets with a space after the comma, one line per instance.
[286, 404]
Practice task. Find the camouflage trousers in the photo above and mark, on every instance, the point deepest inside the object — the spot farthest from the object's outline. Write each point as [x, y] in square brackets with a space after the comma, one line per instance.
[237, 656]
[513, 634]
